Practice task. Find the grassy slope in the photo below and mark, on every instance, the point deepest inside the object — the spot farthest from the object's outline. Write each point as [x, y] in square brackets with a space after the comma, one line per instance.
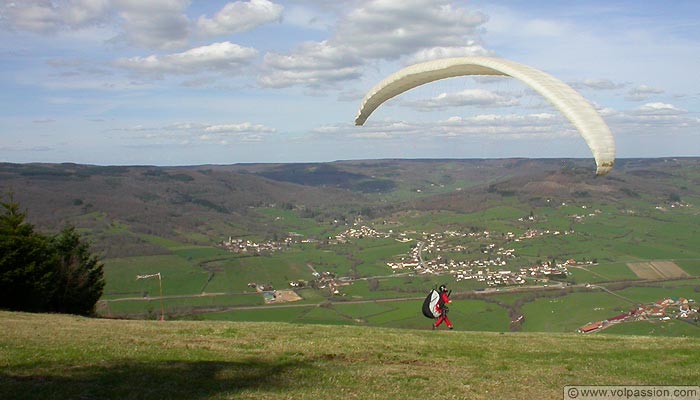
[52, 356]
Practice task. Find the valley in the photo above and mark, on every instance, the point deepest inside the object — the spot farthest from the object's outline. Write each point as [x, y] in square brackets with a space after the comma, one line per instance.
[363, 242]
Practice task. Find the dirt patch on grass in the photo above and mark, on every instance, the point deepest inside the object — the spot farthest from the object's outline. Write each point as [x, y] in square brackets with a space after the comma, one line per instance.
[281, 296]
[657, 270]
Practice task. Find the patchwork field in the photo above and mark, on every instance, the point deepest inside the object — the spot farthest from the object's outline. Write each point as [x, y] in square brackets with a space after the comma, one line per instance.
[657, 270]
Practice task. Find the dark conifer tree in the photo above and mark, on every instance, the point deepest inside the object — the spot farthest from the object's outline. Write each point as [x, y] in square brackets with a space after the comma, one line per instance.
[78, 274]
[45, 273]
[26, 272]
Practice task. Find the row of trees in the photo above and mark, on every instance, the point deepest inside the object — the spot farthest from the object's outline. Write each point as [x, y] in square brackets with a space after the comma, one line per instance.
[45, 273]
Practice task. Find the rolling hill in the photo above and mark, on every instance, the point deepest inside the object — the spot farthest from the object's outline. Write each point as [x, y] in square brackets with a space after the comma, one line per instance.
[204, 204]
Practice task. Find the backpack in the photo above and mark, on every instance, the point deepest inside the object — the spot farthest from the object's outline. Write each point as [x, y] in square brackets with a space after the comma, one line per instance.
[429, 304]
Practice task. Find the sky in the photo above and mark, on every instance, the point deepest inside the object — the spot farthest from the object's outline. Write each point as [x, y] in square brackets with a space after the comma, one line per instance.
[179, 82]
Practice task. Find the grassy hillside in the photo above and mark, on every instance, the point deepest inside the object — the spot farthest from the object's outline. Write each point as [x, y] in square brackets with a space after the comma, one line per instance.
[67, 357]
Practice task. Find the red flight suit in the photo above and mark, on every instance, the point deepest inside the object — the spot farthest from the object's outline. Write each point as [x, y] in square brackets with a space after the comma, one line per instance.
[440, 308]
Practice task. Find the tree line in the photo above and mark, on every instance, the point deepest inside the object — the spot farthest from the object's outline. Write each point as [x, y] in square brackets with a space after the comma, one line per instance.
[45, 272]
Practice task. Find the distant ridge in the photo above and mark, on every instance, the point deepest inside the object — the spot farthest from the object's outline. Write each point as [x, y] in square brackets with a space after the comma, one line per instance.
[219, 200]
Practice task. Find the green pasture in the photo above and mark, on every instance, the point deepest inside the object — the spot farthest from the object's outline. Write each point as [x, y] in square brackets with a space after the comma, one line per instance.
[322, 259]
[497, 219]
[290, 221]
[472, 315]
[176, 306]
[671, 328]
[178, 276]
[163, 242]
[645, 237]
[692, 267]
[384, 288]
[374, 254]
[259, 315]
[570, 312]
[504, 298]
[689, 289]
[404, 286]
[560, 247]
[607, 272]
[233, 275]
[198, 254]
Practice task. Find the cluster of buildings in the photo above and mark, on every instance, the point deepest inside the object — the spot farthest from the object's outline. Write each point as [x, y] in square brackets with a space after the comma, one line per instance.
[360, 233]
[324, 281]
[579, 217]
[482, 271]
[248, 246]
[675, 204]
[490, 270]
[533, 233]
[537, 273]
[662, 310]
[328, 281]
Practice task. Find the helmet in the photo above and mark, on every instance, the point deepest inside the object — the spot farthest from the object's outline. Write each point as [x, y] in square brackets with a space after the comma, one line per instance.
[443, 288]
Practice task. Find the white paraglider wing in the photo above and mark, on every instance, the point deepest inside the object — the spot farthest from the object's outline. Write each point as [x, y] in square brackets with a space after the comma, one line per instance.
[574, 107]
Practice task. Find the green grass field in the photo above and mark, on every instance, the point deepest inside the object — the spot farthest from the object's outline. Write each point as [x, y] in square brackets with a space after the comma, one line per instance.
[178, 275]
[610, 234]
[68, 357]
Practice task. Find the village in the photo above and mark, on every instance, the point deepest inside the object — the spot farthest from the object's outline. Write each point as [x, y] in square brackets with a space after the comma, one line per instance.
[429, 254]
[491, 270]
[245, 246]
[662, 310]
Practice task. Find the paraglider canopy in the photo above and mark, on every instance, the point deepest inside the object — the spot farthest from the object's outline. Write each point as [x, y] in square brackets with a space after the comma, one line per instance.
[577, 109]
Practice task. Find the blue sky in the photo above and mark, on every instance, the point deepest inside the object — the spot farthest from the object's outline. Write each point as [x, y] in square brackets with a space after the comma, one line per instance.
[178, 82]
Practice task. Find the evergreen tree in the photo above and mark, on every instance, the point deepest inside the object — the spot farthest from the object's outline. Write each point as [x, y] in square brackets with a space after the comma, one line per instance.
[45, 273]
[26, 273]
[78, 275]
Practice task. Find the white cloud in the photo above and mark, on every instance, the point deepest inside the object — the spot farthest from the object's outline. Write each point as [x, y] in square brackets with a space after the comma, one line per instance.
[313, 64]
[507, 127]
[308, 18]
[86, 12]
[223, 56]
[44, 16]
[240, 16]
[376, 30]
[471, 49]
[467, 97]
[158, 24]
[186, 126]
[386, 29]
[599, 84]
[245, 127]
[642, 93]
[193, 133]
[652, 118]
[658, 109]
